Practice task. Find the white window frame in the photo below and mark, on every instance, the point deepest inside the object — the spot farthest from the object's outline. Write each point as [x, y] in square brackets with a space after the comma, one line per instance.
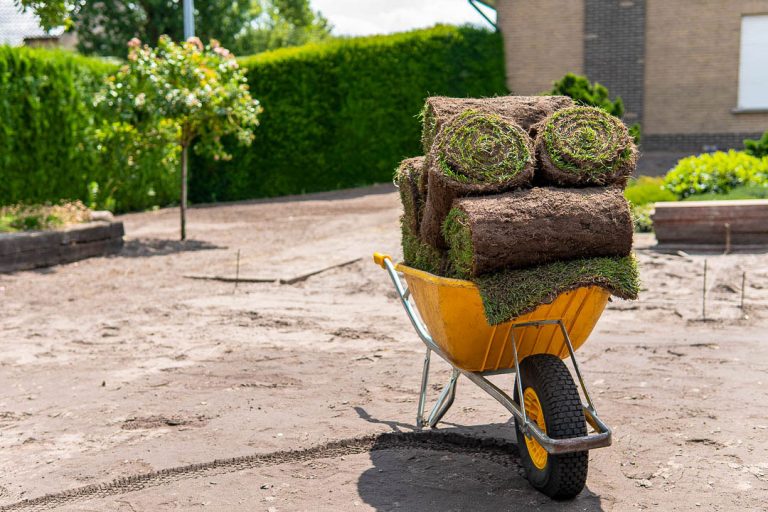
[753, 63]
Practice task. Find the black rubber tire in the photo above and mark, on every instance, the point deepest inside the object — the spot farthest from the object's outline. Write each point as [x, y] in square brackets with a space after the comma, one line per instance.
[564, 476]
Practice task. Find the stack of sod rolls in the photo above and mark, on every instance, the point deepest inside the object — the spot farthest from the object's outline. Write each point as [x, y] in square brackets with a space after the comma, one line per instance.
[523, 196]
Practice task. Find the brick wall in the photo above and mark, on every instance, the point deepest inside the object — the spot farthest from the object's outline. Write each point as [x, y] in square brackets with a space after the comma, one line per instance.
[674, 62]
[614, 50]
[692, 68]
[543, 41]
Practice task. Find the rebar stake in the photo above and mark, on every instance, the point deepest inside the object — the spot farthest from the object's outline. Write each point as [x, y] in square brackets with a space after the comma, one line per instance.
[743, 288]
[237, 270]
[704, 294]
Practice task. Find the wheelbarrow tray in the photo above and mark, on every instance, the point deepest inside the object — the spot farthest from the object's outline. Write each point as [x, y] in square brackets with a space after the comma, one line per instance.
[452, 310]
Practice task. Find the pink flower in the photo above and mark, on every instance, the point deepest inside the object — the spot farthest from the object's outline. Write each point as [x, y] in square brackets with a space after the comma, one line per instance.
[215, 43]
[220, 50]
[196, 41]
[134, 42]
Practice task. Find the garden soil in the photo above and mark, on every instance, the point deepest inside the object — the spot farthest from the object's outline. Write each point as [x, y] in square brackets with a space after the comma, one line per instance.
[126, 386]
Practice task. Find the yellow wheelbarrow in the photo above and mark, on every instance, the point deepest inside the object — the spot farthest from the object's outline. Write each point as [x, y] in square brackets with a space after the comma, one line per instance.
[551, 420]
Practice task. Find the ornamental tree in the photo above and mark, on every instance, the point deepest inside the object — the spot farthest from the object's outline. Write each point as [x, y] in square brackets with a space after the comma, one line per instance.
[183, 93]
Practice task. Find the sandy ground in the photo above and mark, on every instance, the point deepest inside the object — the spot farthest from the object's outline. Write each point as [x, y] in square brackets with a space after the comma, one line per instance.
[126, 386]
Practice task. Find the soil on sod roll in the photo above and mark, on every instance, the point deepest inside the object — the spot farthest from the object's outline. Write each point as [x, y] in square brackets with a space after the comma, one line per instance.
[407, 178]
[526, 111]
[535, 226]
[584, 146]
[511, 293]
[475, 153]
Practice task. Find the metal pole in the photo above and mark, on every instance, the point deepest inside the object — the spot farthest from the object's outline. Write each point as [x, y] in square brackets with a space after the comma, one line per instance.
[189, 18]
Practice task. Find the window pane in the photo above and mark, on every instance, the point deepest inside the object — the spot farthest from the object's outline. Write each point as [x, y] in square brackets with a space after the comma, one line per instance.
[753, 69]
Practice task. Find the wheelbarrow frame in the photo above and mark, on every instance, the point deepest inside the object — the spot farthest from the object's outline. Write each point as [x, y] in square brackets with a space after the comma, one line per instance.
[600, 438]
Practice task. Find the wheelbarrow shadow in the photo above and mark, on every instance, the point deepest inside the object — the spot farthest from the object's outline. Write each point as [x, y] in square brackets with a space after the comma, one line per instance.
[457, 468]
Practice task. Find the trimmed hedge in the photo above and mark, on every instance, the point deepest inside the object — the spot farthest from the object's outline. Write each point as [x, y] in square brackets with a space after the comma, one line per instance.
[336, 114]
[54, 145]
[45, 112]
[344, 113]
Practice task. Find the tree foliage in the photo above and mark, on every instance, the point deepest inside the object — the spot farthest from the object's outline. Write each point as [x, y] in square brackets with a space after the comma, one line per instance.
[594, 95]
[178, 94]
[585, 93]
[757, 147]
[104, 26]
[281, 23]
[246, 26]
[52, 13]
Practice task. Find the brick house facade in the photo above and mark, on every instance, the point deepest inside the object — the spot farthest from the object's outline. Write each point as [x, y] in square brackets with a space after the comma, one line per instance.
[677, 64]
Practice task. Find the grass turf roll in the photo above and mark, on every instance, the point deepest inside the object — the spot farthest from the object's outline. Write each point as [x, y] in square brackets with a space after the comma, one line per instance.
[419, 255]
[407, 178]
[416, 253]
[526, 111]
[583, 146]
[540, 225]
[511, 293]
[475, 153]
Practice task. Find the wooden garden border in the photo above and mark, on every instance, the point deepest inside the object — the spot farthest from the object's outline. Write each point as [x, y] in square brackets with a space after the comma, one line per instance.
[712, 225]
[34, 249]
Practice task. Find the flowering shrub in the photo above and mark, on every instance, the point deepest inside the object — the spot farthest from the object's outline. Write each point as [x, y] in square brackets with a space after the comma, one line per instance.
[716, 173]
[180, 94]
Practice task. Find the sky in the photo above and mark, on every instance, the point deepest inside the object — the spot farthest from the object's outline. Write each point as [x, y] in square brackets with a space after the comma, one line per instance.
[363, 17]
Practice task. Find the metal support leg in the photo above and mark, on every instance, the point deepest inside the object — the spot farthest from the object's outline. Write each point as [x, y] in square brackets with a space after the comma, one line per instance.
[444, 401]
[423, 395]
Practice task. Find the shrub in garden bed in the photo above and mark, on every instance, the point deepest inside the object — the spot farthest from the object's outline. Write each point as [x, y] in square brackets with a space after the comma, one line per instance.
[642, 193]
[716, 173]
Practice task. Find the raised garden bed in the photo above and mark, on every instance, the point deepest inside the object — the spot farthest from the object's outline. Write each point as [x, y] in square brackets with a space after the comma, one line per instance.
[34, 249]
[712, 225]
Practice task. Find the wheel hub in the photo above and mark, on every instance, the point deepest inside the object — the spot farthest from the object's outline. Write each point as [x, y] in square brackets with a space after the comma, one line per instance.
[535, 414]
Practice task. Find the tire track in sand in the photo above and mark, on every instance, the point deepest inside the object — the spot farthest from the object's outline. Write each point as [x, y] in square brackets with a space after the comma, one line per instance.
[496, 450]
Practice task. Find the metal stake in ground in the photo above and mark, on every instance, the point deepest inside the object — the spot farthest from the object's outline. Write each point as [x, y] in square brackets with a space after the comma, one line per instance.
[704, 294]
[237, 269]
[743, 289]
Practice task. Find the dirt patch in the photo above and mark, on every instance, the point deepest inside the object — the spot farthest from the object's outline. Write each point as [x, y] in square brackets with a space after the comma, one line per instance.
[499, 451]
[193, 344]
[159, 421]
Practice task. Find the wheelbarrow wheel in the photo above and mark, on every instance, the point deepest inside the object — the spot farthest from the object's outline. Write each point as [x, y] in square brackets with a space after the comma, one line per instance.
[552, 402]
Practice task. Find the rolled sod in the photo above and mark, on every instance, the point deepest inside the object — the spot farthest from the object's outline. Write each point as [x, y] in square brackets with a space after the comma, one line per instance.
[419, 255]
[540, 225]
[511, 293]
[526, 111]
[407, 178]
[584, 146]
[475, 153]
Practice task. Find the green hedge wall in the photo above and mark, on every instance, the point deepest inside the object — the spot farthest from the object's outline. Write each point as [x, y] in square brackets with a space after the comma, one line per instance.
[337, 114]
[45, 112]
[344, 113]
[54, 145]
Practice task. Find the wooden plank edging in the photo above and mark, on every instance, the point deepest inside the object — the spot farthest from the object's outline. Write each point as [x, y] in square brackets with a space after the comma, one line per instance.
[35, 249]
